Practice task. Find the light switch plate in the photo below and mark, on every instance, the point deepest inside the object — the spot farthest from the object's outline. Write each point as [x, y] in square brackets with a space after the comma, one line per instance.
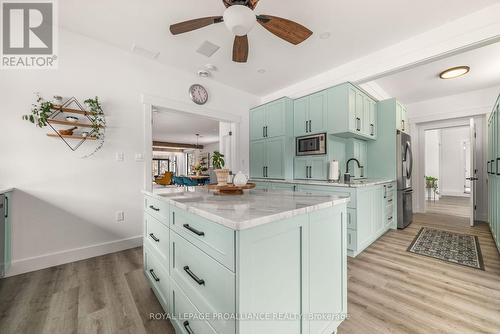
[139, 157]
[120, 156]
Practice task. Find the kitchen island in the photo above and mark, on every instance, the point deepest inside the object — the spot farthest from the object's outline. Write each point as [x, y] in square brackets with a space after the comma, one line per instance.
[262, 262]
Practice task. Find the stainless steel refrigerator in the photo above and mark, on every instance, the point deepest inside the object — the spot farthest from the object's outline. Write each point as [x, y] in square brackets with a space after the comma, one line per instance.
[404, 160]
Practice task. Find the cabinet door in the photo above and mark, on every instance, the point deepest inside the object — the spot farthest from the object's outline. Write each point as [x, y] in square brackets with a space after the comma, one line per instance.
[8, 235]
[366, 116]
[300, 168]
[399, 116]
[318, 168]
[257, 158]
[327, 264]
[275, 119]
[318, 112]
[404, 119]
[275, 151]
[360, 110]
[257, 122]
[372, 127]
[352, 109]
[379, 207]
[300, 116]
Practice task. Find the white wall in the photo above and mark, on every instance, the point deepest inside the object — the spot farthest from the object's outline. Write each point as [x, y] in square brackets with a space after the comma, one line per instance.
[453, 161]
[64, 208]
[432, 155]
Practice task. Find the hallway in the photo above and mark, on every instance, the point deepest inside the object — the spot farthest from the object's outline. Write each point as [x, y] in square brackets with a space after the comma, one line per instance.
[450, 205]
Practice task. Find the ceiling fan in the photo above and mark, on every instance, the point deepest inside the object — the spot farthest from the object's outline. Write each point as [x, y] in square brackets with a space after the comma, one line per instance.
[240, 18]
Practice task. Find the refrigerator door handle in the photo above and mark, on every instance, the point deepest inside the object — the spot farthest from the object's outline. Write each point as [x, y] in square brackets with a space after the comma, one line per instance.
[409, 156]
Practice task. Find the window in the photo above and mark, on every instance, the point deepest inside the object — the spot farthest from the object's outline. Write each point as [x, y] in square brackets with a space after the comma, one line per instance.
[160, 166]
[189, 163]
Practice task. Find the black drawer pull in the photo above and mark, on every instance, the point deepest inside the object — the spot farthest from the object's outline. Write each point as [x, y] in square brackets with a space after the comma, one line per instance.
[389, 200]
[498, 172]
[193, 276]
[186, 326]
[153, 237]
[152, 207]
[152, 272]
[6, 207]
[390, 218]
[195, 231]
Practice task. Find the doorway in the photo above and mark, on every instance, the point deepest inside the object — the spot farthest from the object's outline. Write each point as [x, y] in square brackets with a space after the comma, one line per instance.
[447, 167]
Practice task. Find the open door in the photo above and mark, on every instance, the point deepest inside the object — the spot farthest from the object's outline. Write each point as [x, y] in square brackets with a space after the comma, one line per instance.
[473, 171]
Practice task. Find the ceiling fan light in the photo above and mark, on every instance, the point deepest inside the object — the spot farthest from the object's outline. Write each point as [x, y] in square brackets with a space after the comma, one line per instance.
[239, 19]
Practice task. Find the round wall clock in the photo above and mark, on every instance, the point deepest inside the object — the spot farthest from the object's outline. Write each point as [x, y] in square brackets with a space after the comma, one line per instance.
[198, 94]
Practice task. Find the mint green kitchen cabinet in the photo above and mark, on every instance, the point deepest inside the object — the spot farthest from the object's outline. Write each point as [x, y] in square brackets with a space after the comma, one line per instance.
[268, 158]
[401, 117]
[351, 112]
[370, 213]
[7, 244]
[272, 143]
[314, 168]
[493, 168]
[310, 114]
[270, 120]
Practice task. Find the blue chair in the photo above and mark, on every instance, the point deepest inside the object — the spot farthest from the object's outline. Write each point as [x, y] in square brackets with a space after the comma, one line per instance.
[177, 181]
[189, 182]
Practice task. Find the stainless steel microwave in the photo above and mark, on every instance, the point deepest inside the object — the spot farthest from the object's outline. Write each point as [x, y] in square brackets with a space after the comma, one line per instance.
[311, 145]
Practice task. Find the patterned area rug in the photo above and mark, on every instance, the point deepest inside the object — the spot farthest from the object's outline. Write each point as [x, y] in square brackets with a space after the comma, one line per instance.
[448, 246]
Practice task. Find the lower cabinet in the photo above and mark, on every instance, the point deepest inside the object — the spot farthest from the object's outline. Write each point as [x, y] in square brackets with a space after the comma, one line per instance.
[290, 267]
[5, 261]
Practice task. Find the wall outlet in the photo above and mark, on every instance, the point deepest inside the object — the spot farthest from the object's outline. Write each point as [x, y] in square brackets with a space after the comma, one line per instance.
[120, 216]
[120, 156]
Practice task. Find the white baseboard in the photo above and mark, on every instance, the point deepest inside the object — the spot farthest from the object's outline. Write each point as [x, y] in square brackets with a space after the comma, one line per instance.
[25, 265]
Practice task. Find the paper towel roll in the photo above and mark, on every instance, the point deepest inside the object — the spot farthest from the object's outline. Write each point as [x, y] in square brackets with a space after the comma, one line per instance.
[334, 174]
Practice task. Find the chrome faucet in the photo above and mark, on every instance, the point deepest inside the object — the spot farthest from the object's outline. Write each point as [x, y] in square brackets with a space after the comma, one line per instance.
[347, 175]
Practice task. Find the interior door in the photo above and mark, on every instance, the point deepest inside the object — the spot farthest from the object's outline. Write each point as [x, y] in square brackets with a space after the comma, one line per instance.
[473, 171]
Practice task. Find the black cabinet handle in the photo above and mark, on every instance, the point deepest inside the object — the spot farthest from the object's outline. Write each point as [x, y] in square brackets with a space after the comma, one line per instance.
[488, 167]
[310, 126]
[498, 172]
[193, 276]
[152, 207]
[263, 131]
[195, 231]
[6, 207]
[153, 237]
[372, 126]
[403, 124]
[186, 326]
[152, 273]
[389, 201]
[358, 124]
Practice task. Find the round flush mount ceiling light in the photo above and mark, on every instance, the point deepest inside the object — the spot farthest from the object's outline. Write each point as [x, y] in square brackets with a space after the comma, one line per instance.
[239, 19]
[454, 72]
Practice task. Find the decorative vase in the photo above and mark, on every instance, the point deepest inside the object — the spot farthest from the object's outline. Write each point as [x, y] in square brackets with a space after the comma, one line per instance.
[240, 179]
[222, 175]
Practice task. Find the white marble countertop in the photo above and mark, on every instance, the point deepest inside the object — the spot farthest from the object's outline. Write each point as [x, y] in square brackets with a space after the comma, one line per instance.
[354, 184]
[253, 208]
[4, 190]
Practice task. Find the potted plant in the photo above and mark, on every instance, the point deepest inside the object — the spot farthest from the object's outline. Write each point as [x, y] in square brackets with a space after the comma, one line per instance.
[431, 182]
[218, 163]
[199, 168]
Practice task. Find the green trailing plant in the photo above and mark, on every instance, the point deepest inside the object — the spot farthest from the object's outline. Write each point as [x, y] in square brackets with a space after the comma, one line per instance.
[98, 122]
[218, 160]
[40, 112]
[431, 182]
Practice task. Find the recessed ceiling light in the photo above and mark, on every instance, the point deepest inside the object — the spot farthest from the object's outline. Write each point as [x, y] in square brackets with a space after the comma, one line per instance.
[325, 35]
[261, 71]
[203, 73]
[454, 72]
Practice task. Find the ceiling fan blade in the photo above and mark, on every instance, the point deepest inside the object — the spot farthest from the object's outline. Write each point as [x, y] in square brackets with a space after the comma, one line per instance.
[252, 3]
[227, 3]
[191, 25]
[240, 49]
[290, 31]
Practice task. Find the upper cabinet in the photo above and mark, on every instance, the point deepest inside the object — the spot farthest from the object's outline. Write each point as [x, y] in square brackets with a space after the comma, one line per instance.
[310, 114]
[271, 140]
[401, 117]
[351, 113]
[269, 120]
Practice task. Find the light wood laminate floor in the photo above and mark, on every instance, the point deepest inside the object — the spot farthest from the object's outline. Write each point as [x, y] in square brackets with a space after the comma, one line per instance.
[390, 291]
[450, 205]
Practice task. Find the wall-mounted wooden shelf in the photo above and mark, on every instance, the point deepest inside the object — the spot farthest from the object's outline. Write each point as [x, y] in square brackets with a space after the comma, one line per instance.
[73, 111]
[62, 122]
[71, 137]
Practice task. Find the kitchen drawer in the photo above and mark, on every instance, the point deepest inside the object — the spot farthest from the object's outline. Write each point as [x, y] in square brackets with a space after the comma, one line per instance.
[157, 274]
[209, 285]
[339, 191]
[157, 235]
[351, 240]
[282, 186]
[157, 208]
[389, 212]
[351, 218]
[182, 308]
[212, 238]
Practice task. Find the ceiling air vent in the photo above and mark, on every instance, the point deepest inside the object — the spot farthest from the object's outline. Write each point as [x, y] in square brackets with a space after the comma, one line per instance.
[208, 49]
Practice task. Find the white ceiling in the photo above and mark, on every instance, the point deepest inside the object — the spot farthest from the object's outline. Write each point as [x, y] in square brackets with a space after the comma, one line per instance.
[357, 28]
[423, 82]
[177, 127]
